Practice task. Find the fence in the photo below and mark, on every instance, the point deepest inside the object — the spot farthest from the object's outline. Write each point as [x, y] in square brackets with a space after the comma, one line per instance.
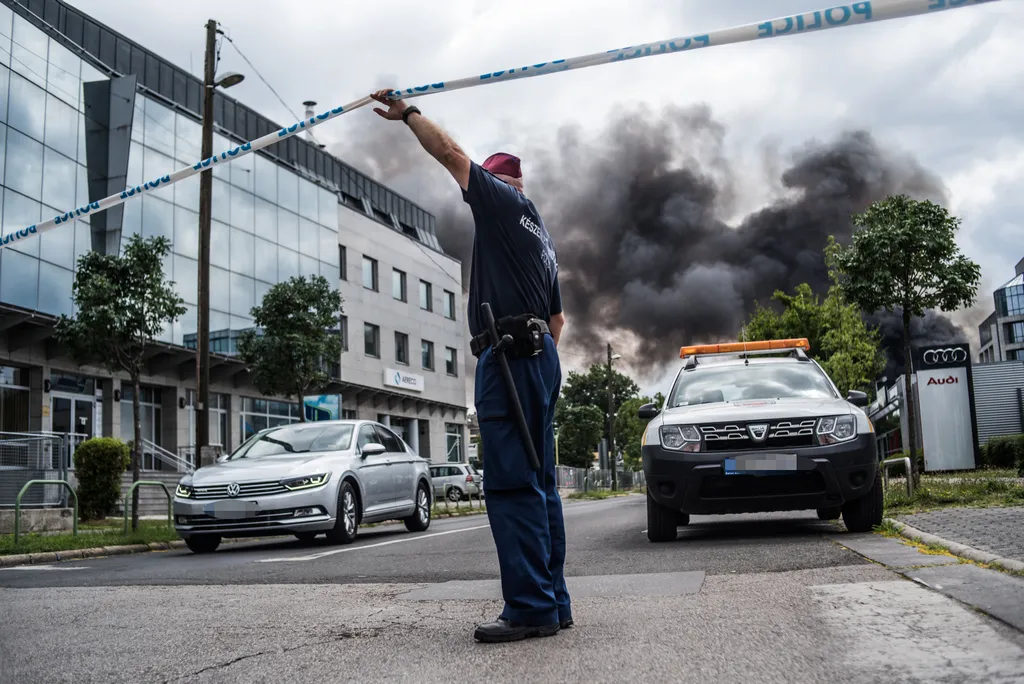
[583, 479]
[34, 456]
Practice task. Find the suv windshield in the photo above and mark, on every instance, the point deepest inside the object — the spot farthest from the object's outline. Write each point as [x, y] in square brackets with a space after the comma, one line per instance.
[295, 439]
[736, 382]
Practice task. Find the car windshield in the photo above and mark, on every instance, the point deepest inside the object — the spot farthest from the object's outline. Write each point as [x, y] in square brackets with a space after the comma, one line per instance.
[295, 439]
[735, 382]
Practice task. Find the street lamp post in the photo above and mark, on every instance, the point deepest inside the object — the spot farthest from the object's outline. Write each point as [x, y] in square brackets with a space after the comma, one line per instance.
[613, 459]
[210, 83]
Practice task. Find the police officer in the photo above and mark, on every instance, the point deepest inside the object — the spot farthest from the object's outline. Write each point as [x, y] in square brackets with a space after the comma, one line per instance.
[516, 271]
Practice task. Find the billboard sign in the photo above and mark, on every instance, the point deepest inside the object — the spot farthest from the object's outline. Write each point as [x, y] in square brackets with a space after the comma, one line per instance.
[402, 380]
[949, 431]
[322, 407]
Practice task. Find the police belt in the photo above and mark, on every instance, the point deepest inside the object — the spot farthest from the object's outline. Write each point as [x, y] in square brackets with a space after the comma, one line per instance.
[527, 333]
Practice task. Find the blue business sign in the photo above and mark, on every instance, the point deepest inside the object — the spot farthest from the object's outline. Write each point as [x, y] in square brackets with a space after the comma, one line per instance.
[323, 407]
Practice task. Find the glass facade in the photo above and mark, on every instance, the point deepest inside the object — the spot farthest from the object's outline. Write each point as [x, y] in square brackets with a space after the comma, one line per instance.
[1014, 333]
[260, 414]
[1010, 298]
[43, 171]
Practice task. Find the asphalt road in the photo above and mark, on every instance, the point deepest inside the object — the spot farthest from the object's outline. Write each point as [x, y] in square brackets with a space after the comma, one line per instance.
[737, 598]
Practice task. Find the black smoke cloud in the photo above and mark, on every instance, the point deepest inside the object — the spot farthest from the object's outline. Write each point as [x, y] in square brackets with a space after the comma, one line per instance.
[644, 216]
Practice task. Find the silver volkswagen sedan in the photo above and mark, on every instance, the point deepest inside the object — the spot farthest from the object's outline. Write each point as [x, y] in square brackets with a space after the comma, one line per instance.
[305, 479]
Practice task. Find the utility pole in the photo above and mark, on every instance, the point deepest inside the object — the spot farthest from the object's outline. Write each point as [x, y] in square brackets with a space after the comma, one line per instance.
[611, 426]
[202, 407]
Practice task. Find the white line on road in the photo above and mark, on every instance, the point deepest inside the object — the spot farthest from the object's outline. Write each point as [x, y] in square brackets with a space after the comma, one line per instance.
[41, 567]
[315, 556]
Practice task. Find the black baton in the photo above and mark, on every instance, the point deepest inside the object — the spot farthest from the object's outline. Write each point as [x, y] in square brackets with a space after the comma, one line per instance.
[498, 347]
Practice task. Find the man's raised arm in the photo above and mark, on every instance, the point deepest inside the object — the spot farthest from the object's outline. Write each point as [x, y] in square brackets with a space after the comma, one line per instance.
[431, 136]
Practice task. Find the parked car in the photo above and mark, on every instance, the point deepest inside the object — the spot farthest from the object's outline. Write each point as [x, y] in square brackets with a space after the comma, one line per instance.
[743, 433]
[456, 481]
[305, 479]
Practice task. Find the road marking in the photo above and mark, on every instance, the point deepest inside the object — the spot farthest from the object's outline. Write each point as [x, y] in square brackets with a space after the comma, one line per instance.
[314, 556]
[41, 567]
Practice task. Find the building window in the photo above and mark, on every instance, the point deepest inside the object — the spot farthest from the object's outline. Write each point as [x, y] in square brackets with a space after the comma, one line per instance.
[370, 273]
[1010, 300]
[348, 414]
[344, 333]
[427, 350]
[343, 262]
[426, 296]
[150, 413]
[398, 285]
[451, 362]
[219, 435]
[14, 400]
[1014, 333]
[371, 340]
[453, 439]
[402, 348]
[449, 305]
[261, 414]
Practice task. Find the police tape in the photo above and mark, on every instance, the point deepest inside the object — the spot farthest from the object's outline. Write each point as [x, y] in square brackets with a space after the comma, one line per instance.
[818, 20]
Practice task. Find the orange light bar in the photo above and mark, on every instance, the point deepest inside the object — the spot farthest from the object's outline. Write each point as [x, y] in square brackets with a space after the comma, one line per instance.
[740, 347]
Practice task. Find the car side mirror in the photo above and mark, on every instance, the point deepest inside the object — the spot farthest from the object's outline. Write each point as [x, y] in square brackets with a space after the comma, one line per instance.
[648, 411]
[372, 449]
[857, 398]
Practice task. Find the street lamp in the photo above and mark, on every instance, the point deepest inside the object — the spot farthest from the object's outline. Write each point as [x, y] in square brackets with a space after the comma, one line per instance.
[210, 83]
[611, 422]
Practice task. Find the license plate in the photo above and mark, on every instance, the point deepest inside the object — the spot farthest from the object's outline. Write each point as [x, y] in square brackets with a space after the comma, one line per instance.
[231, 510]
[761, 464]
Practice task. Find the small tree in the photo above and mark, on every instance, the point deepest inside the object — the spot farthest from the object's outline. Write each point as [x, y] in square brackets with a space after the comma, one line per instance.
[579, 430]
[98, 466]
[297, 338]
[629, 429]
[591, 389]
[123, 304]
[904, 258]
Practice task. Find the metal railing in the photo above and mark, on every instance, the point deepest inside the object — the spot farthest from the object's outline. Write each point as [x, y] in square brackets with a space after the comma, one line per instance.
[172, 460]
[583, 479]
[26, 456]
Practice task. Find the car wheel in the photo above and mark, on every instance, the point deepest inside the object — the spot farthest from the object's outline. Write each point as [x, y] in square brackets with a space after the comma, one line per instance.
[347, 522]
[203, 543]
[865, 513]
[830, 513]
[420, 519]
[455, 494]
[661, 521]
[306, 537]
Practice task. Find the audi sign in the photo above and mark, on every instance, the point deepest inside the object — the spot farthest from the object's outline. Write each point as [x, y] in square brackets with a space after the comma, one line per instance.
[946, 408]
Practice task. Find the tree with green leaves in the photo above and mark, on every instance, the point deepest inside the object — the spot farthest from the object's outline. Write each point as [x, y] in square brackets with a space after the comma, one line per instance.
[904, 258]
[579, 430]
[124, 303]
[296, 338]
[591, 389]
[629, 429]
[848, 350]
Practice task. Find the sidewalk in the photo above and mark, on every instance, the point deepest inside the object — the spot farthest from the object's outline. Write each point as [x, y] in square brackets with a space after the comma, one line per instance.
[998, 531]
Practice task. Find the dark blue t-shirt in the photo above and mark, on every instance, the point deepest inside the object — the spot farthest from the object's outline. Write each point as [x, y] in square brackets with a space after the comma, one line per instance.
[514, 262]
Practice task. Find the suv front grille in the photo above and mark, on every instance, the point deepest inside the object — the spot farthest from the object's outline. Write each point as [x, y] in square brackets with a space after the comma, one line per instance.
[220, 491]
[778, 434]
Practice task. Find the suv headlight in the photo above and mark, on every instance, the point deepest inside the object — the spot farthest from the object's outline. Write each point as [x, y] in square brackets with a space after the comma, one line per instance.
[184, 491]
[680, 437]
[308, 482]
[835, 429]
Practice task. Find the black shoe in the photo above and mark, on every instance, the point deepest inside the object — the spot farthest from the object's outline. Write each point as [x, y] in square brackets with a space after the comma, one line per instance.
[502, 630]
[566, 624]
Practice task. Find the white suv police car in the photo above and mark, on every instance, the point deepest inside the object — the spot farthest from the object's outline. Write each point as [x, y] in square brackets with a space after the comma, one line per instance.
[757, 427]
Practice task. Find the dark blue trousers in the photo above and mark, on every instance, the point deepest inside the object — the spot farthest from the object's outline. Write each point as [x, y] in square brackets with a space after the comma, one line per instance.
[523, 506]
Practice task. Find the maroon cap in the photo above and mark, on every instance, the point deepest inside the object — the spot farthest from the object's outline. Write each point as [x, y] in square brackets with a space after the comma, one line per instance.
[503, 164]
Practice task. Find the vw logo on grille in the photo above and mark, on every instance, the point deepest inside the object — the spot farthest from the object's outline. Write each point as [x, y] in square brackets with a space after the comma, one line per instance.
[758, 432]
[233, 489]
[951, 355]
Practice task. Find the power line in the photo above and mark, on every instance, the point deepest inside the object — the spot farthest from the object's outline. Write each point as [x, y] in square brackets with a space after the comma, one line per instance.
[267, 83]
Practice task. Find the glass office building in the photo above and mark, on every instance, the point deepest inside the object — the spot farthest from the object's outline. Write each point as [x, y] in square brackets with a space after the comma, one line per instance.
[86, 112]
[1002, 334]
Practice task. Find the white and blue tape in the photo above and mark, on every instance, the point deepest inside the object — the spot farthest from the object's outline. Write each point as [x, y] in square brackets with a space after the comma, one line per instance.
[819, 20]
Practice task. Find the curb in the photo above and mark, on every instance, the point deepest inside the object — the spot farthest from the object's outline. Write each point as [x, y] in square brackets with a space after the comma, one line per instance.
[955, 548]
[79, 554]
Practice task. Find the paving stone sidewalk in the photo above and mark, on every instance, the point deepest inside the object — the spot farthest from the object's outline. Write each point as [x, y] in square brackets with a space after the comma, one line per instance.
[999, 531]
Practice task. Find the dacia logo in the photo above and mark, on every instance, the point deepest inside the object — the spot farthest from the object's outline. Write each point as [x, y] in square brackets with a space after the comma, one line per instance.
[758, 432]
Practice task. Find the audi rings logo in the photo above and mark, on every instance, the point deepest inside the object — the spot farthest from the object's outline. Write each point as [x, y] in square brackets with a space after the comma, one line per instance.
[951, 355]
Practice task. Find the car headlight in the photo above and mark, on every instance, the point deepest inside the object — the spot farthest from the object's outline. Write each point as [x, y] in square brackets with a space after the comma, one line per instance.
[835, 429]
[184, 491]
[307, 482]
[680, 437]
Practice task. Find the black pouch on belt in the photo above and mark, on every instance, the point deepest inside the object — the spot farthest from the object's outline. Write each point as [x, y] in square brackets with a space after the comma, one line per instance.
[527, 333]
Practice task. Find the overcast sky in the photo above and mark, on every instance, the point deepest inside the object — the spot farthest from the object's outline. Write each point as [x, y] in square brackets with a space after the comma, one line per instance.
[945, 88]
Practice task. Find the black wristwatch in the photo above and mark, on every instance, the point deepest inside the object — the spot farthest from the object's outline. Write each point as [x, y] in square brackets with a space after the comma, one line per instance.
[410, 110]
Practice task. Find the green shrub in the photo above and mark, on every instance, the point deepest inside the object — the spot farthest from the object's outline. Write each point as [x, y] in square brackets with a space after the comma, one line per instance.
[1003, 452]
[99, 464]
